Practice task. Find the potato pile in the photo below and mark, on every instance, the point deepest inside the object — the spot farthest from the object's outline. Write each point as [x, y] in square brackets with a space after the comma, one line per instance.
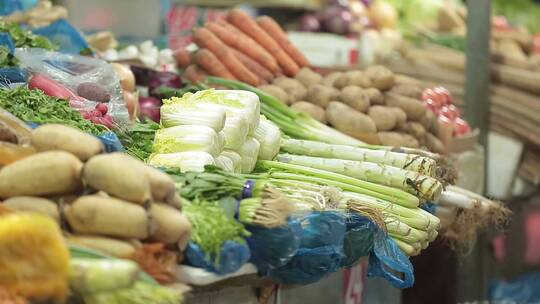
[373, 105]
[101, 199]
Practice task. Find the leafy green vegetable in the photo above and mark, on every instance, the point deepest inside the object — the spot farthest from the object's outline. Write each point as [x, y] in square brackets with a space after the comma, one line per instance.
[6, 58]
[22, 38]
[212, 227]
[34, 106]
[139, 139]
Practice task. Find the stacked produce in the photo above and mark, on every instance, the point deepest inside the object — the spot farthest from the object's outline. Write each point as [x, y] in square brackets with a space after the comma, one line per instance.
[373, 105]
[252, 51]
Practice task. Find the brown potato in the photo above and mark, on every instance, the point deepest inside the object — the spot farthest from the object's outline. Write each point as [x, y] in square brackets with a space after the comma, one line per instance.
[358, 78]
[381, 77]
[42, 174]
[401, 116]
[384, 118]
[396, 139]
[294, 88]
[355, 97]
[162, 187]
[107, 216]
[321, 95]
[308, 77]
[348, 120]
[434, 144]
[341, 81]
[415, 129]
[276, 92]
[59, 137]
[409, 90]
[34, 205]
[330, 79]
[119, 175]
[412, 107]
[314, 111]
[375, 96]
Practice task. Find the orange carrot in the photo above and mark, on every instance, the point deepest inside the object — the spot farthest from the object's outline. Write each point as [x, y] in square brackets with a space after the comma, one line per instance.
[195, 74]
[206, 39]
[183, 58]
[254, 66]
[247, 25]
[272, 28]
[208, 61]
[240, 41]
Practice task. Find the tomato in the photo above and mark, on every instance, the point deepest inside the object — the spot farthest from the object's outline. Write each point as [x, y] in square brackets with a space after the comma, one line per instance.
[461, 127]
[444, 95]
[432, 106]
[450, 111]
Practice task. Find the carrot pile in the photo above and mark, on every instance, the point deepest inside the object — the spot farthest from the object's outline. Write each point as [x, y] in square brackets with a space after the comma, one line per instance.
[251, 50]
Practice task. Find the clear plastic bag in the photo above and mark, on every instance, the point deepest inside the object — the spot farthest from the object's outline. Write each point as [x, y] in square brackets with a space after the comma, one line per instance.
[71, 71]
[232, 256]
[273, 248]
[67, 37]
[389, 262]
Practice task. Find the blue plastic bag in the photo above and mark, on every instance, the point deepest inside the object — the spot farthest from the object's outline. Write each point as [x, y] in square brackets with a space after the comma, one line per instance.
[10, 6]
[63, 34]
[322, 228]
[320, 252]
[524, 289]
[309, 265]
[388, 261]
[10, 74]
[232, 256]
[273, 248]
[359, 238]
[429, 207]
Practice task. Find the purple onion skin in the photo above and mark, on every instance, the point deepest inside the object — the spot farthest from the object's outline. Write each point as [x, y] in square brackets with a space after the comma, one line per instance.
[340, 22]
[309, 23]
[149, 108]
[367, 3]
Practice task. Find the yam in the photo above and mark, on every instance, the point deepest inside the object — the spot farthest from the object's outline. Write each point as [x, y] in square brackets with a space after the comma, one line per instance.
[384, 117]
[348, 120]
[119, 175]
[409, 90]
[434, 144]
[412, 107]
[330, 79]
[314, 111]
[276, 92]
[294, 88]
[34, 205]
[162, 187]
[107, 216]
[381, 77]
[401, 116]
[308, 77]
[321, 95]
[171, 223]
[113, 247]
[375, 96]
[41, 174]
[355, 97]
[93, 91]
[59, 137]
[358, 78]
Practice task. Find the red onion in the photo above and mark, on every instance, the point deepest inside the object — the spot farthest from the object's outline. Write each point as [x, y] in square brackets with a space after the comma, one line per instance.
[337, 20]
[309, 23]
[165, 79]
[149, 107]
